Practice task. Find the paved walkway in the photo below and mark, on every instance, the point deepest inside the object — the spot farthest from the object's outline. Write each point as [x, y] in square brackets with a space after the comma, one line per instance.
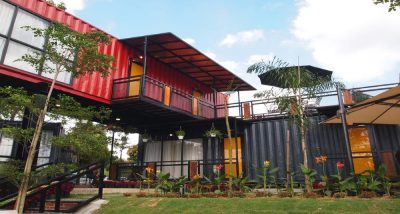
[106, 190]
[92, 207]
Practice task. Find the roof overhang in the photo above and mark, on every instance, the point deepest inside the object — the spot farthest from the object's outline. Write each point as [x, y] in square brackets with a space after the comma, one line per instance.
[173, 51]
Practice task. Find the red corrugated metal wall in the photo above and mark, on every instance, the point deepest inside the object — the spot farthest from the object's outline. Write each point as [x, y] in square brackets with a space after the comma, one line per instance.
[93, 86]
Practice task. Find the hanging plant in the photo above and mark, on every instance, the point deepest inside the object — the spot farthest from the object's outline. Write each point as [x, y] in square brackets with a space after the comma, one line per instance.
[180, 133]
[145, 137]
[213, 132]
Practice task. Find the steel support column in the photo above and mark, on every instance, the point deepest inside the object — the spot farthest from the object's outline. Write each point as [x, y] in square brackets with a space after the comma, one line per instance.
[182, 141]
[345, 130]
[143, 80]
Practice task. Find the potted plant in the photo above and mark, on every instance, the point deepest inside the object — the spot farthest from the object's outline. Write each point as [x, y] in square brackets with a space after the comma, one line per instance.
[180, 133]
[213, 133]
[145, 137]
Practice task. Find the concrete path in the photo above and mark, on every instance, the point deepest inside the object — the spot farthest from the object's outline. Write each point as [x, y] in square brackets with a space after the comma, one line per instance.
[92, 207]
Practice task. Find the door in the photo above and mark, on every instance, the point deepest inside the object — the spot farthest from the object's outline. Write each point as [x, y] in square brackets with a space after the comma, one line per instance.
[361, 151]
[136, 72]
[195, 102]
[236, 150]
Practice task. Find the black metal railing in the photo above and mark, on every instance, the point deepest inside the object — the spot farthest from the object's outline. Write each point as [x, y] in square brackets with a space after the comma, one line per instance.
[55, 195]
[247, 110]
[264, 108]
[168, 96]
[204, 167]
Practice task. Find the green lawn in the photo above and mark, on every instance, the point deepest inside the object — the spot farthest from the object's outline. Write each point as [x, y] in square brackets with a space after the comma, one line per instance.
[119, 204]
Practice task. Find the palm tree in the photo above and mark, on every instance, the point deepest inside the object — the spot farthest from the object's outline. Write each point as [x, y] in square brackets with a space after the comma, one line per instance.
[296, 85]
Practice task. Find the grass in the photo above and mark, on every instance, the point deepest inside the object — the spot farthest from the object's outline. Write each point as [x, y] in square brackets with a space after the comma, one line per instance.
[120, 204]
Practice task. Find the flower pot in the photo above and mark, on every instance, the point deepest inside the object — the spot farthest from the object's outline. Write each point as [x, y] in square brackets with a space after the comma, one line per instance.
[180, 137]
[213, 135]
[145, 140]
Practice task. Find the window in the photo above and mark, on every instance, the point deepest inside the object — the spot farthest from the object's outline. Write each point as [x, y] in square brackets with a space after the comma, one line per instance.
[6, 15]
[24, 19]
[64, 77]
[14, 52]
[2, 42]
[45, 148]
[192, 150]
[6, 146]
[22, 41]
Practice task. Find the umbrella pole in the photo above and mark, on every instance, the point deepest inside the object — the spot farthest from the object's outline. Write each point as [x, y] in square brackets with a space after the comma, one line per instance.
[345, 130]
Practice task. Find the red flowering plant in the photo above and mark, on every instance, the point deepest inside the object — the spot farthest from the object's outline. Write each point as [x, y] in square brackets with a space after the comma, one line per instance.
[343, 185]
[219, 177]
[324, 184]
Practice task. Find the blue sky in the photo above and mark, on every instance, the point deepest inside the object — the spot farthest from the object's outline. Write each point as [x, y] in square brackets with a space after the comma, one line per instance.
[356, 39]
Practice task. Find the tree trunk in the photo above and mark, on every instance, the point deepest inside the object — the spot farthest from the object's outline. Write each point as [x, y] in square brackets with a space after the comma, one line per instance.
[287, 159]
[228, 130]
[19, 205]
[305, 154]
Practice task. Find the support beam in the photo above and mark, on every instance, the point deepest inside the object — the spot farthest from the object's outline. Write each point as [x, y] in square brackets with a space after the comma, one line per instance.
[143, 82]
[240, 105]
[345, 130]
[182, 141]
[237, 149]
[162, 153]
[112, 149]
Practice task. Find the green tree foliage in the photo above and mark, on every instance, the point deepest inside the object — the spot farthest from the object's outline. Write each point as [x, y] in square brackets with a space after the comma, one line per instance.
[393, 4]
[122, 144]
[60, 5]
[13, 102]
[13, 172]
[133, 153]
[87, 141]
[65, 51]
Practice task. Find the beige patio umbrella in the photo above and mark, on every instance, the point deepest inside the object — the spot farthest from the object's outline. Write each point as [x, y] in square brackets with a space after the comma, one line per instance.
[383, 108]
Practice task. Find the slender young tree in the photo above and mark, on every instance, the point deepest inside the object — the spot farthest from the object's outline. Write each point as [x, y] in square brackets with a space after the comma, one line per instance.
[65, 50]
[229, 90]
[297, 86]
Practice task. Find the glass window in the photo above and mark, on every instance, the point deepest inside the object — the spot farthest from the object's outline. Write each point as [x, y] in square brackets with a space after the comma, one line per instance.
[6, 14]
[64, 77]
[6, 145]
[45, 147]
[2, 42]
[26, 19]
[14, 52]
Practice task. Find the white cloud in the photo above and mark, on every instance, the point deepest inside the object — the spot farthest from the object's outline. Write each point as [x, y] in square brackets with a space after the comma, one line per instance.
[259, 57]
[73, 5]
[190, 41]
[356, 39]
[210, 54]
[242, 37]
[230, 64]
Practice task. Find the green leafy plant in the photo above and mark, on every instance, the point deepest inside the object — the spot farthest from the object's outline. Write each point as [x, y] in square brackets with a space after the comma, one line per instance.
[218, 177]
[240, 183]
[194, 184]
[180, 132]
[290, 182]
[162, 182]
[310, 173]
[145, 137]
[385, 181]
[267, 174]
[213, 133]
